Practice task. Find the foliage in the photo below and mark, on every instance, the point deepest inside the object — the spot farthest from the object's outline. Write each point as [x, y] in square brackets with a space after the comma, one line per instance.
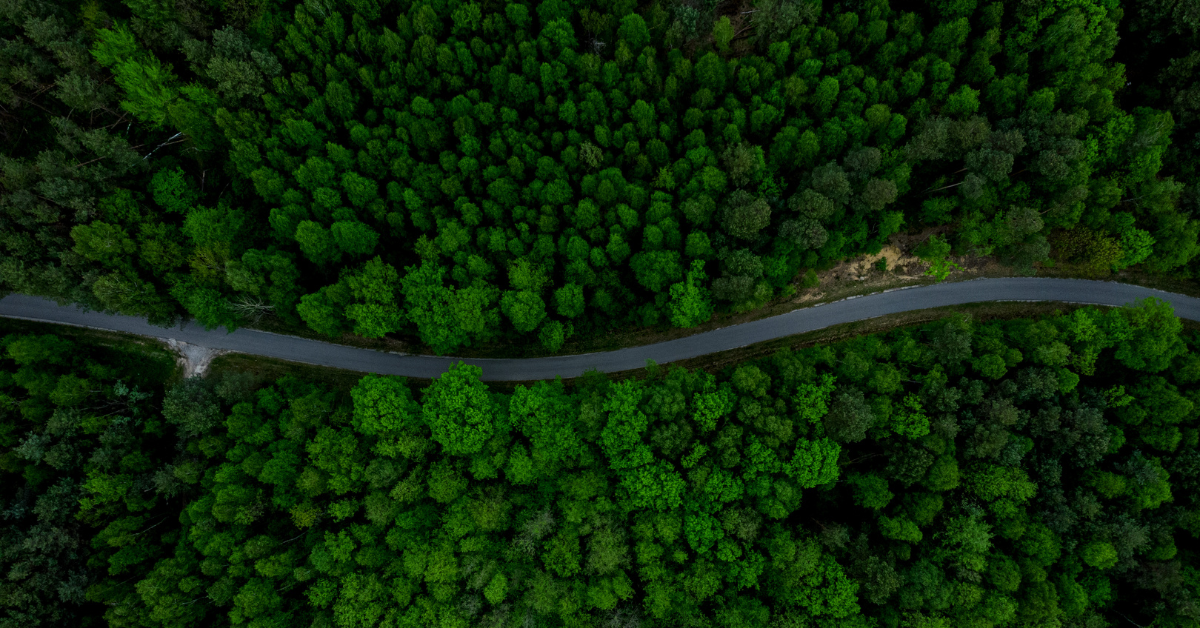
[459, 410]
[675, 498]
[689, 300]
[935, 251]
[90, 467]
[461, 172]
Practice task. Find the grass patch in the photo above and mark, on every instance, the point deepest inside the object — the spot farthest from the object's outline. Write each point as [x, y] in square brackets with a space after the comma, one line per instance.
[150, 360]
[601, 341]
[830, 291]
[1187, 287]
[840, 291]
[979, 312]
[265, 370]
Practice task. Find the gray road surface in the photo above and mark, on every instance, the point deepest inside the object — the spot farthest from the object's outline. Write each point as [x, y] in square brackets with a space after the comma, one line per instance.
[795, 322]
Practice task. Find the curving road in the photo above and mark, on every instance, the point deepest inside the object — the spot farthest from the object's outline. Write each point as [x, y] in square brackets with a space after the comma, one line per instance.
[795, 322]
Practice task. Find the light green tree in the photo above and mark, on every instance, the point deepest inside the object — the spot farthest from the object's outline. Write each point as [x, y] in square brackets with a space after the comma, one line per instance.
[723, 34]
[935, 251]
[460, 410]
[690, 305]
[524, 308]
[814, 463]
[383, 404]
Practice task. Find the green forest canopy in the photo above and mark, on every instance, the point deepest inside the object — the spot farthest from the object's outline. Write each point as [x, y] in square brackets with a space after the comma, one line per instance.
[463, 171]
[1021, 473]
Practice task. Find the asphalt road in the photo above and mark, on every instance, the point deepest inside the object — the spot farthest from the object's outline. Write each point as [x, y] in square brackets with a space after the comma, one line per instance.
[795, 322]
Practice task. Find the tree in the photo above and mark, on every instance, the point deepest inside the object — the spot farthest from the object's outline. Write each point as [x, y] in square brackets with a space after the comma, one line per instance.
[149, 86]
[643, 116]
[524, 308]
[172, 191]
[710, 72]
[621, 439]
[968, 539]
[951, 342]
[994, 482]
[689, 300]
[943, 475]
[27, 350]
[317, 243]
[1177, 242]
[812, 400]
[215, 226]
[824, 590]
[742, 269]
[374, 287]
[102, 242]
[353, 237]
[831, 182]
[71, 390]
[428, 304]
[825, 95]
[323, 311]
[962, 103]
[935, 251]
[1136, 246]
[709, 407]
[1147, 335]
[383, 404]
[805, 233]
[656, 270]
[814, 462]
[496, 589]
[1148, 486]
[459, 410]
[870, 491]
[190, 406]
[995, 165]
[552, 335]
[900, 529]
[557, 36]
[744, 163]
[360, 190]
[1100, 554]
[723, 34]
[473, 311]
[849, 416]
[909, 419]
[634, 31]
[547, 417]
[526, 275]
[569, 300]
[656, 486]
[702, 531]
[208, 305]
[991, 366]
[878, 193]
[446, 485]
[744, 215]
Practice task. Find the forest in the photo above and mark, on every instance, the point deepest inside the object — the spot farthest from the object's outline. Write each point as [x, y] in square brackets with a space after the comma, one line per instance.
[1027, 472]
[463, 173]
[457, 173]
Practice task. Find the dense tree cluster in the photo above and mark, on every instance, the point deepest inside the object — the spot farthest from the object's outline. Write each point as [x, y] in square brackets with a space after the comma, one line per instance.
[1021, 473]
[88, 469]
[459, 171]
[1161, 42]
